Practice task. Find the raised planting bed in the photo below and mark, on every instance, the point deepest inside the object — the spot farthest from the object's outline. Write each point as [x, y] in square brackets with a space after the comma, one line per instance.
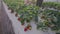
[28, 19]
[19, 29]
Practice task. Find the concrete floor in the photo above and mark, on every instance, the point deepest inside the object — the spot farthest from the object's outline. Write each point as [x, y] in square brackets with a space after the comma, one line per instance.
[5, 22]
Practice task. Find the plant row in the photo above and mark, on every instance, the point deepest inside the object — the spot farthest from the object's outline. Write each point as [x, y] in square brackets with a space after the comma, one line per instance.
[44, 18]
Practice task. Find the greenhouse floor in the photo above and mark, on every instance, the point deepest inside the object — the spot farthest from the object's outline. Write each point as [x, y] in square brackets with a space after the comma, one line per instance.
[5, 23]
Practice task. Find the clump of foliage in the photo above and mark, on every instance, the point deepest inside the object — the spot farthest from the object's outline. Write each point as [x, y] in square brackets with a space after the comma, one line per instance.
[51, 5]
[49, 19]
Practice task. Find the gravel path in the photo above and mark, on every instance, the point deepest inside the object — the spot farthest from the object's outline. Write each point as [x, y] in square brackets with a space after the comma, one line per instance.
[5, 23]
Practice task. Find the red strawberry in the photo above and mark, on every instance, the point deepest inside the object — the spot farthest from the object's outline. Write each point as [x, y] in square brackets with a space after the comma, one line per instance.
[25, 29]
[29, 27]
[18, 19]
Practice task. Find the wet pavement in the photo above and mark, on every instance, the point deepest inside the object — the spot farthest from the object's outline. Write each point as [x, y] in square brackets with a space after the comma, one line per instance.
[5, 22]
